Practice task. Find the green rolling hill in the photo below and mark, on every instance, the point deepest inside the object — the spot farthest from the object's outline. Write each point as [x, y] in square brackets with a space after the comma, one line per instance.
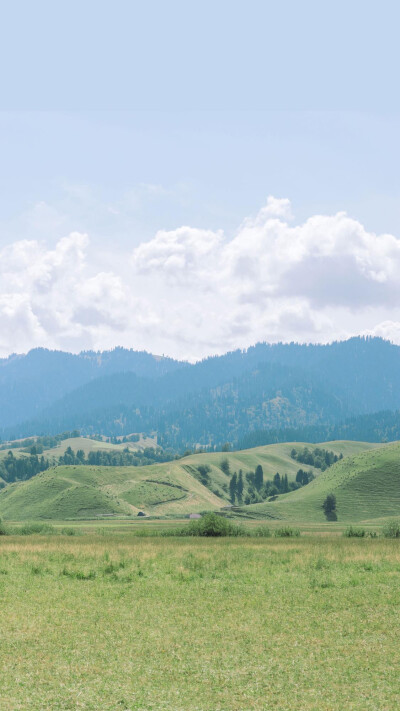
[79, 492]
[22, 459]
[171, 488]
[85, 443]
[93, 445]
[366, 486]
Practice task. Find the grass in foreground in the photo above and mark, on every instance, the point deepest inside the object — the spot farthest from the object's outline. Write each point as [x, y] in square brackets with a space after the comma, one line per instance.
[199, 624]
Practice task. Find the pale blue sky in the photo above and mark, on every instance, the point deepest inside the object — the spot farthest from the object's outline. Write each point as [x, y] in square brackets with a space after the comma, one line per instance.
[120, 119]
[203, 55]
[220, 103]
[208, 169]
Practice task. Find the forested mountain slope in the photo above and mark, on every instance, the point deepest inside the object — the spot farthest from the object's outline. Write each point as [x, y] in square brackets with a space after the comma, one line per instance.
[267, 387]
[376, 427]
[31, 382]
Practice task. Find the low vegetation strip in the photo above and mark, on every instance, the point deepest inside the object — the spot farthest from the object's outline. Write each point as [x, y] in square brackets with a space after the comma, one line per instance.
[213, 525]
[193, 624]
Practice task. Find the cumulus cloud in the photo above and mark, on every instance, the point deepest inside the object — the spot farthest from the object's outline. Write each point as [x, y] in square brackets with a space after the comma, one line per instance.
[181, 255]
[190, 292]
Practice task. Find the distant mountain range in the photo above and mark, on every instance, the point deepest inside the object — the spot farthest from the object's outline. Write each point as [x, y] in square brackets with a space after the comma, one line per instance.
[265, 390]
[31, 383]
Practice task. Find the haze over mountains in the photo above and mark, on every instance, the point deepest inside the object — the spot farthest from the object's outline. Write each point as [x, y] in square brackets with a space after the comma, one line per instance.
[270, 392]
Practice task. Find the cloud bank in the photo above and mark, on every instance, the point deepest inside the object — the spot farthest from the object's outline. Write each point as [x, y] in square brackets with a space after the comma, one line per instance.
[191, 292]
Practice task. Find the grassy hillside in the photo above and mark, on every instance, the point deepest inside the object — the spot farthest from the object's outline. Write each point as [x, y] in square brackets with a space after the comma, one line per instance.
[366, 486]
[40, 453]
[93, 445]
[68, 492]
[85, 443]
[273, 458]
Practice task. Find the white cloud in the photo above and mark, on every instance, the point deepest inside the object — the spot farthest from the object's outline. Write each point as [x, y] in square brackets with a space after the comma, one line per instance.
[189, 292]
[274, 208]
[390, 330]
[181, 255]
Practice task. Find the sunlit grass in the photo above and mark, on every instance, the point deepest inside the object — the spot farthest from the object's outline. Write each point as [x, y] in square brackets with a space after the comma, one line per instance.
[117, 622]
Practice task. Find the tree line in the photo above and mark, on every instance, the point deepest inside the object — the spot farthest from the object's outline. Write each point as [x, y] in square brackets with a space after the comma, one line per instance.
[112, 458]
[19, 468]
[318, 457]
[39, 443]
[252, 488]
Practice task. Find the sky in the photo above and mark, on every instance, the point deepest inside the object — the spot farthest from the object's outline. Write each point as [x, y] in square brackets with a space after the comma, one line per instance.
[190, 178]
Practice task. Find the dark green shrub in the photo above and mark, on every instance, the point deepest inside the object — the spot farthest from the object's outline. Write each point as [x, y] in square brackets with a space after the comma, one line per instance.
[3, 530]
[391, 530]
[331, 516]
[352, 532]
[261, 532]
[211, 525]
[225, 467]
[30, 529]
[329, 507]
[286, 532]
[69, 532]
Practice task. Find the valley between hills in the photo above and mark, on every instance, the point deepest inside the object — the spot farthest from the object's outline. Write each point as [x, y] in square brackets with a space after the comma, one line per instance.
[366, 483]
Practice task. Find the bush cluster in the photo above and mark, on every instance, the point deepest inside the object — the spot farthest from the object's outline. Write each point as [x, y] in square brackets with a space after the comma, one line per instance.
[352, 532]
[318, 457]
[212, 525]
[286, 532]
[32, 529]
[391, 530]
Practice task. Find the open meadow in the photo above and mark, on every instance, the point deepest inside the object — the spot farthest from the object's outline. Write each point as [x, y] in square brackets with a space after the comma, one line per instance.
[109, 621]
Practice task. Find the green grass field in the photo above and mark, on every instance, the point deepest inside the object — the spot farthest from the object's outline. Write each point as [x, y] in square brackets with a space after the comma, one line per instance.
[119, 617]
[109, 622]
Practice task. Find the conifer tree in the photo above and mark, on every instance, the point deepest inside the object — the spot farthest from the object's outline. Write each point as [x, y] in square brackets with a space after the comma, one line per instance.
[329, 507]
[277, 481]
[240, 485]
[258, 477]
[233, 487]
